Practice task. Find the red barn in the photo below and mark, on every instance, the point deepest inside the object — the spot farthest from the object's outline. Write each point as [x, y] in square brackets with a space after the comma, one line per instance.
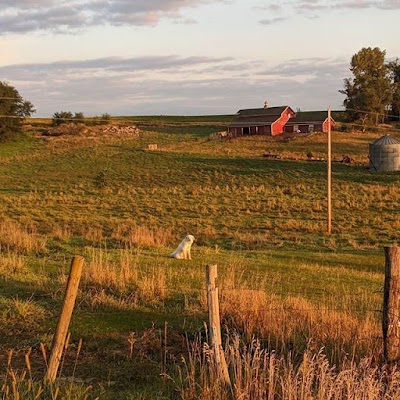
[309, 121]
[267, 121]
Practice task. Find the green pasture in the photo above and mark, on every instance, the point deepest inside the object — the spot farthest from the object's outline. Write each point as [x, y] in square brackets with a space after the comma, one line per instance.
[261, 220]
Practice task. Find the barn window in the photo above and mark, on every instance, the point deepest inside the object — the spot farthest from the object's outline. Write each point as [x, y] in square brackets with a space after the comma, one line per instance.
[311, 128]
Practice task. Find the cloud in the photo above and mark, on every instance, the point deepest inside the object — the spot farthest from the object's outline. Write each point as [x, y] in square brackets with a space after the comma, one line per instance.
[21, 16]
[320, 5]
[311, 67]
[109, 64]
[272, 21]
[175, 85]
[313, 8]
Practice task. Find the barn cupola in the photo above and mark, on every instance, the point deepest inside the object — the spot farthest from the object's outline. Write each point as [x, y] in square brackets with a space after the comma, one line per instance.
[265, 104]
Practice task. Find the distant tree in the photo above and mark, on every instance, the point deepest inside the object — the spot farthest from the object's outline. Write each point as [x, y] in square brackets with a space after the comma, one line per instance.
[79, 116]
[62, 117]
[394, 68]
[369, 91]
[105, 118]
[13, 110]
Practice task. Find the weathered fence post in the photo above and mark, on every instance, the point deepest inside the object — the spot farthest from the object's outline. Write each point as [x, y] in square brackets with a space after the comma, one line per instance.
[215, 323]
[391, 300]
[64, 319]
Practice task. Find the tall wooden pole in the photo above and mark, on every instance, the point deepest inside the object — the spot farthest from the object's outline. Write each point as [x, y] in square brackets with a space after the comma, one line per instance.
[64, 319]
[215, 324]
[329, 222]
[391, 302]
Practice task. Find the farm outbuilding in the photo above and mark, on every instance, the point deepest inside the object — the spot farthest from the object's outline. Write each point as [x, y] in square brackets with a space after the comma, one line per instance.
[267, 121]
[384, 154]
[309, 121]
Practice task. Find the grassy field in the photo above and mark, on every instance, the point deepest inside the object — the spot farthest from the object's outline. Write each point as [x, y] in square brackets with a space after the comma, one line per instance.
[282, 279]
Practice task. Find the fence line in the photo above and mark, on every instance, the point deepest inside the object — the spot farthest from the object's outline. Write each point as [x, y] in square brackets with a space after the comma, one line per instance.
[283, 309]
[320, 292]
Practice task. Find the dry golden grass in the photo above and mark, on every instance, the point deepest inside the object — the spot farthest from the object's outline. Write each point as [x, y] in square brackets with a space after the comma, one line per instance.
[133, 235]
[12, 263]
[119, 282]
[294, 323]
[259, 375]
[19, 239]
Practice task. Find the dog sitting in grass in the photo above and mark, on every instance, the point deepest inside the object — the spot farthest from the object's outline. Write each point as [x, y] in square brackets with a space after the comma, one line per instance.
[182, 252]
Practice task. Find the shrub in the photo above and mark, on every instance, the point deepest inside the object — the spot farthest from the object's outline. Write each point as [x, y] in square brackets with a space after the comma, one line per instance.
[62, 117]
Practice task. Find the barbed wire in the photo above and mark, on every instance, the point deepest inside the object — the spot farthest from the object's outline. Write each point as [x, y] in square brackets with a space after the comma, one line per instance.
[372, 128]
[372, 112]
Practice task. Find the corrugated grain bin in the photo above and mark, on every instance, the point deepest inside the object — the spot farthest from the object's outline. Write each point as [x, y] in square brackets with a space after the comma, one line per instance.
[384, 154]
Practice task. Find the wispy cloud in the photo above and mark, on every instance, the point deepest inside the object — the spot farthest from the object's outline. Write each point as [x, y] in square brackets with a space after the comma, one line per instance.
[282, 11]
[22, 16]
[175, 85]
[271, 21]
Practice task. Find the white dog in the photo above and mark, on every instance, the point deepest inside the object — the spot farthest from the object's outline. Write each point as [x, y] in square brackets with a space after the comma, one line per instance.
[182, 252]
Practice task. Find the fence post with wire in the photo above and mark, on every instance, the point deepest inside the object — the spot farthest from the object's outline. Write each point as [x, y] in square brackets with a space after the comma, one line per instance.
[215, 324]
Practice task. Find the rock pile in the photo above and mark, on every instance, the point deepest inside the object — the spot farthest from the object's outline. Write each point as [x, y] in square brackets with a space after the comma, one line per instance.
[121, 130]
[79, 129]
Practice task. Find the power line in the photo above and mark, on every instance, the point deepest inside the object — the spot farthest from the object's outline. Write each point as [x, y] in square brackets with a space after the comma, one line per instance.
[12, 116]
[88, 119]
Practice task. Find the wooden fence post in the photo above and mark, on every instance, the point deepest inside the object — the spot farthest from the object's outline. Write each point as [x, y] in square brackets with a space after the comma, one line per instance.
[391, 301]
[64, 319]
[215, 324]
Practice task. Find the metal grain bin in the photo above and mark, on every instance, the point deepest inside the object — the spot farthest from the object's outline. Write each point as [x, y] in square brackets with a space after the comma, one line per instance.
[384, 154]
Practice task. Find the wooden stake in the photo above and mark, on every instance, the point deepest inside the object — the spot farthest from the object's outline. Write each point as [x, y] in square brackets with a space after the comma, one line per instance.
[64, 319]
[391, 297]
[329, 222]
[215, 323]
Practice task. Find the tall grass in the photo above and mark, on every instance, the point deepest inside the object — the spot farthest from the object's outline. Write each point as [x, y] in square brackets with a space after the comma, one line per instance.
[20, 239]
[22, 383]
[117, 281]
[257, 374]
[294, 324]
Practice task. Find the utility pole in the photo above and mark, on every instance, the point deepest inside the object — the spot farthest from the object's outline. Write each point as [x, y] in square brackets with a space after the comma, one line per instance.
[329, 225]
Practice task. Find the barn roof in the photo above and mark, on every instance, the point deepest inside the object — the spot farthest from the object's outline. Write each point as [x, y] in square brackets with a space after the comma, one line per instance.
[254, 120]
[308, 117]
[258, 116]
[276, 111]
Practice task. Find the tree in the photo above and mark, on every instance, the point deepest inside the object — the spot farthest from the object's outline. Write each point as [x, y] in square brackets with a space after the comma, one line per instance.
[105, 118]
[13, 110]
[394, 68]
[79, 116]
[62, 117]
[369, 92]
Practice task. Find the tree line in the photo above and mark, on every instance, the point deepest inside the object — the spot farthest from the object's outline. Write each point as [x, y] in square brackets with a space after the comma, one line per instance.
[63, 117]
[373, 92]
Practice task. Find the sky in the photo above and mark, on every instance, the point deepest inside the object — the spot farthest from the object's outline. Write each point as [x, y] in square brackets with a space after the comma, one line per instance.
[187, 57]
